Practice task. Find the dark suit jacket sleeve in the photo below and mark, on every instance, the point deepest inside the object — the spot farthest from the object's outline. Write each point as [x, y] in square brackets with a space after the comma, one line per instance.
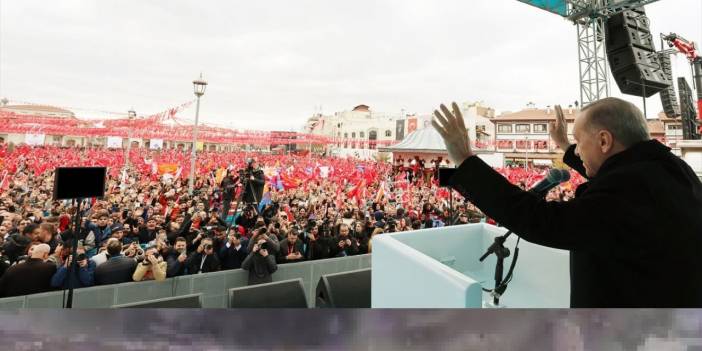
[574, 161]
[215, 265]
[588, 221]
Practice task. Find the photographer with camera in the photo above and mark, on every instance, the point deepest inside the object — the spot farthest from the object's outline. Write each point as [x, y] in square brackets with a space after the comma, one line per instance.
[203, 260]
[153, 267]
[85, 276]
[253, 181]
[262, 233]
[247, 219]
[260, 263]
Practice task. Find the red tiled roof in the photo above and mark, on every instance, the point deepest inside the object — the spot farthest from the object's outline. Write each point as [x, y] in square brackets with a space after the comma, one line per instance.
[533, 114]
[38, 108]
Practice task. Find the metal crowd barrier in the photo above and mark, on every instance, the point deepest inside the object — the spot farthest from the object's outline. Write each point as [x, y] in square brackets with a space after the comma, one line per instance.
[213, 286]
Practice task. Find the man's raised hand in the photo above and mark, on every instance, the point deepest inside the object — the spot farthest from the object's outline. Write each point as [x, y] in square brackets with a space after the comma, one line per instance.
[452, 129]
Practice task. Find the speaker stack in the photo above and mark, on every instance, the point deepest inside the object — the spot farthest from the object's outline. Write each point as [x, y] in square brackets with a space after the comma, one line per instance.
[632, 56]
[668, 97]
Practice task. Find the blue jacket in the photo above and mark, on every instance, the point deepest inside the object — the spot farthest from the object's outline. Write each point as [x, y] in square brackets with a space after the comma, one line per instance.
[100, 235]
[84, 278]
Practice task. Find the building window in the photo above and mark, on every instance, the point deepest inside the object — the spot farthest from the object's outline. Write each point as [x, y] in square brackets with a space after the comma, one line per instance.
[505, 144]
[674, 127]
[346, 135]
[504, 128]
[541, 144]
[361, 135]
[372, 139]
[523, 144]
[522, 128]
[353, 135]
[388, 133]
[540, 128]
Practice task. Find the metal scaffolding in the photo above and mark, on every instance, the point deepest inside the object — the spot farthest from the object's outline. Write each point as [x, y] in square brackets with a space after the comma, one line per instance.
[589, 17]
[592, 61]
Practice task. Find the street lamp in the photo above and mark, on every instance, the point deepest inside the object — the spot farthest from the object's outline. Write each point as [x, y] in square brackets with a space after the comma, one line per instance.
[132, 115]
[526, 152]
[199, 85]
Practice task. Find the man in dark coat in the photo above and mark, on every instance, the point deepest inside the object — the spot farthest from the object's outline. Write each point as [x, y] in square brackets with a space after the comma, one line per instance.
[228, 186]
[204, 259]
[253, 190]
[30, 277]
[316, 245]
[233, 253]
[176, 258]
[634, 230]
[344, 244]
[117, 269]
[148, 233]
[260, 264]
[291, 249]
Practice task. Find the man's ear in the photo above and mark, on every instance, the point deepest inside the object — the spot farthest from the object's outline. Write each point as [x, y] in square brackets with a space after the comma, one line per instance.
[605, 140]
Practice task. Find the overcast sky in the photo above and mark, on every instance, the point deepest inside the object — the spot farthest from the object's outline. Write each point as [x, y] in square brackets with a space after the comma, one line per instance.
[269, 63]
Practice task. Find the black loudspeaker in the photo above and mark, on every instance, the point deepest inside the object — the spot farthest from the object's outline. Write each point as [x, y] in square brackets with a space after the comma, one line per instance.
[282, 294]
[687, 111]
[185, 301]
[445, 175]
[632, 55]
[344, 290]
[79, 182]
[668, 97]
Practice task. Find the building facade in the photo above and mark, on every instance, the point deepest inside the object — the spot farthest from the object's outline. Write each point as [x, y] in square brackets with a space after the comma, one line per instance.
[523, 136]
[361, 131]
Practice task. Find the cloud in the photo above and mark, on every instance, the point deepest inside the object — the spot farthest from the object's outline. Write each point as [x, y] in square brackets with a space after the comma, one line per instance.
[270, 63]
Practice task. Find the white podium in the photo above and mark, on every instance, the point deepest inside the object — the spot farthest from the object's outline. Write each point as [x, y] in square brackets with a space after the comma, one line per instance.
[439, 268]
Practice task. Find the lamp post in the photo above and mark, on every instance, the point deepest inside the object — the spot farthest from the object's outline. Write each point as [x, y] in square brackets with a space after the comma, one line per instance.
[199, 85]
[526, 153]
[132, 115]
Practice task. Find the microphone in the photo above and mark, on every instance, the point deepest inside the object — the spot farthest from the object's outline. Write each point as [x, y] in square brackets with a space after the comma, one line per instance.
[554, 177]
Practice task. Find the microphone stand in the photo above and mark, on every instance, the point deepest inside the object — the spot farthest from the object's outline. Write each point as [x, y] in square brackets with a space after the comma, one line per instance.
[501, 252]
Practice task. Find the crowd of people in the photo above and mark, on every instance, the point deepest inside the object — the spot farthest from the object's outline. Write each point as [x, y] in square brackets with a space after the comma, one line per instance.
[149, 226]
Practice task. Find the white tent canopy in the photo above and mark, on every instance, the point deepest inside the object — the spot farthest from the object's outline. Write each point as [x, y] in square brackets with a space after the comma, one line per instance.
[425, 140]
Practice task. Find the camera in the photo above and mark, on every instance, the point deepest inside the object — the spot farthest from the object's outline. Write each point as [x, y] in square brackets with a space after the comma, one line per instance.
[263, 246]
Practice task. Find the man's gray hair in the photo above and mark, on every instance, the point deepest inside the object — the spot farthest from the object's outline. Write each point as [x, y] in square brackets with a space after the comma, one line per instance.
[621, 118]
[40, 250]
